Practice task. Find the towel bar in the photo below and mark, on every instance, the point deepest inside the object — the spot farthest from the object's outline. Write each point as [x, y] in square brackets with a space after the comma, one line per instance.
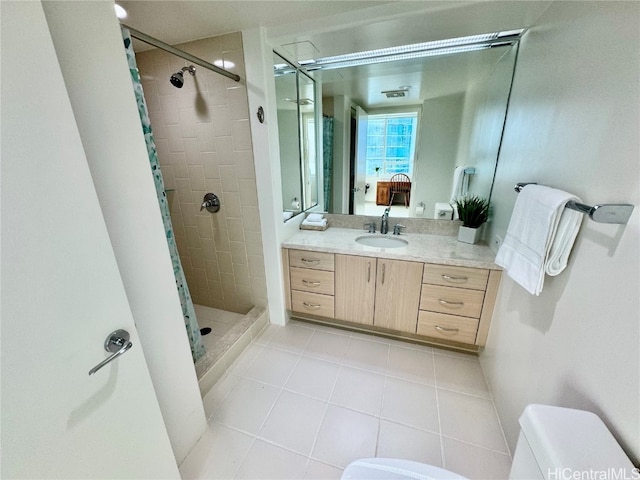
[618, 213]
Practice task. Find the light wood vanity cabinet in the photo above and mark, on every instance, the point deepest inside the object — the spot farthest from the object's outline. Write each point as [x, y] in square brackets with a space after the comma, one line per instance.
[397, 295]
[380, 292]
[456, 303]
[436, 303]
[355, 288]
[311, 282]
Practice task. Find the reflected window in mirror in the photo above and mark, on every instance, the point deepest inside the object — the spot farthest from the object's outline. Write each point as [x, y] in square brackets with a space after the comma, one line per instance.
[461, 101]
[391, 144]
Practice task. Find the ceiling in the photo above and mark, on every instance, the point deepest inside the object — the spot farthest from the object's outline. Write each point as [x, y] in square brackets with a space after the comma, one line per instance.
[304, 29]
[179, 21]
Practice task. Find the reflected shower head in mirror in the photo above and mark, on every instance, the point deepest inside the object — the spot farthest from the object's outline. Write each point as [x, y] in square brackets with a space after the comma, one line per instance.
[177, 79]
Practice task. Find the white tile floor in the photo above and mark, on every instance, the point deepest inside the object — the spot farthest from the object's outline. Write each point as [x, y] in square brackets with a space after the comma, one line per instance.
[303, 401]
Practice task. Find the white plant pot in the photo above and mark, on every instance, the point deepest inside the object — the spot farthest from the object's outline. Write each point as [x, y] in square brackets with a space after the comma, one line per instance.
[469, 235]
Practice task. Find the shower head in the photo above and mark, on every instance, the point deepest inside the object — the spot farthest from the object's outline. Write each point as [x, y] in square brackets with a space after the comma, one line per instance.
[177, 79]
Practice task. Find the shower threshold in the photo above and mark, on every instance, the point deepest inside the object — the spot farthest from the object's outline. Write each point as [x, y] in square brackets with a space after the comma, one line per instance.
[231, 334]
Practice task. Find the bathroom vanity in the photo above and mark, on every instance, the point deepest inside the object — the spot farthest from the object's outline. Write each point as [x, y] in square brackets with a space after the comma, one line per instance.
[433, 289]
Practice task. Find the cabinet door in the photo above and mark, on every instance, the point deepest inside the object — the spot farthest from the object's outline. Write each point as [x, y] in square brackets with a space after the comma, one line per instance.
[382, 193]
[355, 288]
[398, 294]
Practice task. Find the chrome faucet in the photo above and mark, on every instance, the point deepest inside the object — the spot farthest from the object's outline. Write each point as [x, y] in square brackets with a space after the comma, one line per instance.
[384, 225]
[396, 228]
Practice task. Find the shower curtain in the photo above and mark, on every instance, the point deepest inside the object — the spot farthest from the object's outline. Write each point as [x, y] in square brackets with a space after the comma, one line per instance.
[327, 158]
[191, 323]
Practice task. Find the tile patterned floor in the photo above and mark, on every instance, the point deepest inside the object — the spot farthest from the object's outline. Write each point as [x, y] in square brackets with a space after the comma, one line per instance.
[302, 401]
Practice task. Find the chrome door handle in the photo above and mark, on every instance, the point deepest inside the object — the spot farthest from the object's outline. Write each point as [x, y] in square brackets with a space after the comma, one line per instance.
[117, 343]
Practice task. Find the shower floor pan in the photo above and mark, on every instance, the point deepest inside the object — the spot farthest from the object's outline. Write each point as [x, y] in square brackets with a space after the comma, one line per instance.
[230, 334]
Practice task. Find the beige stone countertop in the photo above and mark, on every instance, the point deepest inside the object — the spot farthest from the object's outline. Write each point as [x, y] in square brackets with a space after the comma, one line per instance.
[438, 249]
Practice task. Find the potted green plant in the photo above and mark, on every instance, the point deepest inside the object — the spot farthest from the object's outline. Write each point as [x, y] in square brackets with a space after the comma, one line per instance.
[473, 211]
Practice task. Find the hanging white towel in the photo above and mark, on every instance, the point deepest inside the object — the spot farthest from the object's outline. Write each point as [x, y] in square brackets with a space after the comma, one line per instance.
[460, 185]
[540, 236]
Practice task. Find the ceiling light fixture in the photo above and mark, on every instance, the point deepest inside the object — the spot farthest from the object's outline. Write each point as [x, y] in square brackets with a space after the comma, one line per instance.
[416, 50]
[120, 12]
[224, 64]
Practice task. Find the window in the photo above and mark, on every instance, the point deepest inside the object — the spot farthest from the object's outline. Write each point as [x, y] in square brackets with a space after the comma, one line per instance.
[391, 143]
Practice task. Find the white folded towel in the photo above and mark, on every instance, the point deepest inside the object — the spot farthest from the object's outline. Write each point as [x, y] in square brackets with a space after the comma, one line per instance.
[321, 223]
[540, 236]
[315, 217]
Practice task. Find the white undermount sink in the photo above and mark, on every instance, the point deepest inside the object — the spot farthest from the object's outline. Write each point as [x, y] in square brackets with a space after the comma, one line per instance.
[381, 242]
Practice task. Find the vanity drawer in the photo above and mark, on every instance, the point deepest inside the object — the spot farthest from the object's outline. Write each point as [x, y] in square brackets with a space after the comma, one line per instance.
[462, 277]
[449, 327]
[315, 281]
[313, 303]
[454, 301]
[307, 259]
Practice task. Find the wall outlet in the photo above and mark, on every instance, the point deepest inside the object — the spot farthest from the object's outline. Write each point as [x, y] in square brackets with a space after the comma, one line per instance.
[497, 241]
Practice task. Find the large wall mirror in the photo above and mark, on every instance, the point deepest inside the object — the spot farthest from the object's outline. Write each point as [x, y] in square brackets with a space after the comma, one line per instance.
[431, 118]
[297, 134]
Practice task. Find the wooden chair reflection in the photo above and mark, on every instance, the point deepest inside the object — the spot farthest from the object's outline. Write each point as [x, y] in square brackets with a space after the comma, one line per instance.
[400, 184]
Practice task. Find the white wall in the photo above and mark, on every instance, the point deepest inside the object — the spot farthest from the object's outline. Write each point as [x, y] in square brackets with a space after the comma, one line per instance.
[341, 153]
[91, 54]
[484, 116]
[437, 151]
[573, 123]
[289, 157]
[266, 153]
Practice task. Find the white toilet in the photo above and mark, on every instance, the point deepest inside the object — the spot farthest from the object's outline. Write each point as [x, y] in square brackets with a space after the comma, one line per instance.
[554, 443]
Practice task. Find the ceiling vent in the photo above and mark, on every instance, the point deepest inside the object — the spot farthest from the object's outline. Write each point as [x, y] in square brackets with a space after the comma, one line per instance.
[394, 93]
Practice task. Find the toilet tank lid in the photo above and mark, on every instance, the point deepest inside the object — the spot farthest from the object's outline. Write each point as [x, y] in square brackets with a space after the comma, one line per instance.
[444, 207]
[577, 440]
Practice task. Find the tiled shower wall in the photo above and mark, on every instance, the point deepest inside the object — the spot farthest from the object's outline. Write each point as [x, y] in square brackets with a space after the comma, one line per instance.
[203, 139]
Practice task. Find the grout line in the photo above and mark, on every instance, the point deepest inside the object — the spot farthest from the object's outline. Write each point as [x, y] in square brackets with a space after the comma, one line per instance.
[506, 454]
[435, 381]
[264, 420]
[241, 462]
[474, 395]
[340, 363]
[495, 411]
[384, 391]
[324, 416]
